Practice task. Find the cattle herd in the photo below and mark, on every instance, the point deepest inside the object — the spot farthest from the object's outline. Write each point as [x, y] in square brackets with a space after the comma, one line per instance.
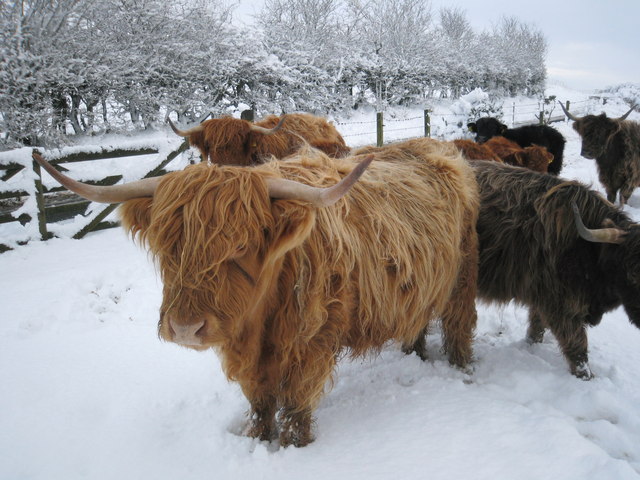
[286, 248]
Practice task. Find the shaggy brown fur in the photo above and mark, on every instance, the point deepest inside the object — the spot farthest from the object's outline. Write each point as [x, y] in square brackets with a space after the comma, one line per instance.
[525, 136]
[476, 151]
[534, 158]
[615, 146]
[284, 287]
[230, 141]
[530, 252]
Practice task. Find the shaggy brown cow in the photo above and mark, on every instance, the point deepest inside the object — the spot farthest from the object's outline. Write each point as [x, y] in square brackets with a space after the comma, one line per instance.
[231, 141]
[475, 151]
[500, 149]
[525, 136]
[535, 250]
[279, 281]
[614, 143]
[534, 158]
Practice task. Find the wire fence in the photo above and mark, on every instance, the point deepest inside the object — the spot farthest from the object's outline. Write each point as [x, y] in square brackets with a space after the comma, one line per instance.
[441, 124]
[50, 207]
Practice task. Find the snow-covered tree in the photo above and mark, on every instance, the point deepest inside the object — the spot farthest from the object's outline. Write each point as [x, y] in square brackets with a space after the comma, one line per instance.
[306, 41]
[518, 52]
[85, 66]
[395, 38]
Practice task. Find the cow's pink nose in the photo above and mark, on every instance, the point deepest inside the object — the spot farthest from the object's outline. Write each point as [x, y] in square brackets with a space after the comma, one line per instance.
[187, 334]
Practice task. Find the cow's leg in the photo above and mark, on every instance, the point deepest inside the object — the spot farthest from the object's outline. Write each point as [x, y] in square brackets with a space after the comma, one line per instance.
[302, 388]
[296, 428]
[419, 346]
[625, 193]
[261, 391]
[535, 333]
[572, 338]
[262, 419]
[459, 317]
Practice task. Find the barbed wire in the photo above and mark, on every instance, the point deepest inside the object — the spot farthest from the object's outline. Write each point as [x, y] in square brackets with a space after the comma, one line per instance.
[520, 110]
[356, 123]
[402, 129]
[402, 119]
[358, 134]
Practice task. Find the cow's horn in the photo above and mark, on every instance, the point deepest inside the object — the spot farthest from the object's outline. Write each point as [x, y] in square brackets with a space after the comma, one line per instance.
[184, 133]
[567, 113]
[268, 131]
[318, 196]
[600, 235]
[103, 194]
[627, 114]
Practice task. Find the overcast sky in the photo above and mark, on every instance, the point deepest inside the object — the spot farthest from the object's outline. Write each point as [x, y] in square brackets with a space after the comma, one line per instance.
[592, 43]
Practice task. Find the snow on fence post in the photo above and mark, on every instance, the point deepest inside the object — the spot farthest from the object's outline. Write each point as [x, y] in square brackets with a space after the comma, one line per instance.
[380, 126]
[427, 123]
[39, 192]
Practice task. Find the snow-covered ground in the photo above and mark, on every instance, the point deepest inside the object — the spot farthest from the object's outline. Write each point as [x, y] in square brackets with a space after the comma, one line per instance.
[89, 392]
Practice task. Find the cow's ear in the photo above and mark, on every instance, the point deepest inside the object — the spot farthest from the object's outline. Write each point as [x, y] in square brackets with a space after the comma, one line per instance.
[135, 216]
[293, 223]
[503, 128]
[472, 127]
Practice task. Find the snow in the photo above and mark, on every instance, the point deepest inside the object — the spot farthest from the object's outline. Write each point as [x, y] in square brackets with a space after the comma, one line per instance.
[88, 390]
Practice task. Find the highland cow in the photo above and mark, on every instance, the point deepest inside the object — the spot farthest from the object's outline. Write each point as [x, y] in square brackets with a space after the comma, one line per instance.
[475, 151]
[526, 136]
[536, 250]
[534, 158]
[499, 149]
[232, 141]
[282, 266]
[614, 143]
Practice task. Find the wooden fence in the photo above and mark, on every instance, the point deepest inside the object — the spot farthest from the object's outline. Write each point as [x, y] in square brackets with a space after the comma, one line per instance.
[56, 203]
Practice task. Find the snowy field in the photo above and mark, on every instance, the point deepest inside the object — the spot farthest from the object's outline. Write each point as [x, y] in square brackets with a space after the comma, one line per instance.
[89, 392]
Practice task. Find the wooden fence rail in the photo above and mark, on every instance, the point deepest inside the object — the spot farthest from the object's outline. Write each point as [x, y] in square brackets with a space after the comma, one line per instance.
[56, 203]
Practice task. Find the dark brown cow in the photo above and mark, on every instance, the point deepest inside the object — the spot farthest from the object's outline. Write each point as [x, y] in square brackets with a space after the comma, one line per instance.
[614, 143]
[534, 158]
[280, 270]
[525, 136]
[534, 249]
[232, 141]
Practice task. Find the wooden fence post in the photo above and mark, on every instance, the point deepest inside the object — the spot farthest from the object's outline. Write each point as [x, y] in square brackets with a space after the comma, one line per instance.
[379, 129]
[427, 123]
[567, 105]
[39, 192]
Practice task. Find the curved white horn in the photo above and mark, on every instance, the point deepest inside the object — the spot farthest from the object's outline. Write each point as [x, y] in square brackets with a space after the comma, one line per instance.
[567, 113]
[318, 196]
[98, 193]
[184, 133]
[600, 235]
[627, 114]
[268, 131]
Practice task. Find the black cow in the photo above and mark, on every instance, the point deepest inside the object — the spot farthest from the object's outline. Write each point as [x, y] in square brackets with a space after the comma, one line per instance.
[526, 136]
[535, 250]
[614, 143]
